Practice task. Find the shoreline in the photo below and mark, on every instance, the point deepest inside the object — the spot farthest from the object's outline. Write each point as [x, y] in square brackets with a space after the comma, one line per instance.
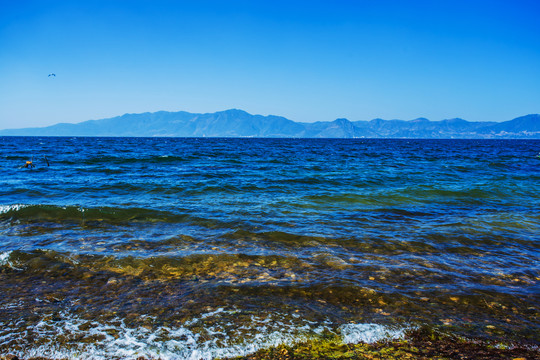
[423, 343]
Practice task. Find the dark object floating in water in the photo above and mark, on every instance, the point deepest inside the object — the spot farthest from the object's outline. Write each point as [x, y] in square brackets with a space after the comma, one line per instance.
[30, 163]
[52, 74]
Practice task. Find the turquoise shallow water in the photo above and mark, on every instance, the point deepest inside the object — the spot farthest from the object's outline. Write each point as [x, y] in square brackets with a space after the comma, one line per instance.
[199, 248]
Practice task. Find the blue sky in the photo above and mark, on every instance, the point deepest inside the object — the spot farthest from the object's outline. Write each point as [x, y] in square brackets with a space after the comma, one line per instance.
[305, 60]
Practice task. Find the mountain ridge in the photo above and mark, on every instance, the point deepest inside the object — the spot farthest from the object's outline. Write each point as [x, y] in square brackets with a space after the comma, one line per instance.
[239, 123]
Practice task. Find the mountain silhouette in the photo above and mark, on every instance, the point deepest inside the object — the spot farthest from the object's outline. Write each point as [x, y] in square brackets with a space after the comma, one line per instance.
[238, 123]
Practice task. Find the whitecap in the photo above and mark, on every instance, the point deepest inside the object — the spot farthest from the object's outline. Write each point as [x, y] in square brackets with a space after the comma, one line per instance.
[14, 207]
[4, 257]
[218, 340]
[193, 340]
[368, 333]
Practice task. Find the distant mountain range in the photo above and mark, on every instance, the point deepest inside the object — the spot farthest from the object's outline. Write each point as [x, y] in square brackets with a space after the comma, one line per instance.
[238, 123]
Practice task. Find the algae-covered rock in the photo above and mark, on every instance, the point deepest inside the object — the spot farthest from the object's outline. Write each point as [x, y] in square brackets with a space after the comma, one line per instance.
[423, 344]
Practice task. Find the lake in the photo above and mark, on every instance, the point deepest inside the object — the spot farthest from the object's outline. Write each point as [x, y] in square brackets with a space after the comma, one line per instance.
[190, 248]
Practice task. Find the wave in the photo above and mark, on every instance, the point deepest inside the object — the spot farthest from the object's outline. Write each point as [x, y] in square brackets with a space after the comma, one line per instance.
[210, 335]
[337, 278]
[4, 258]
[9, 208]
[179, 286]
[368, 333]
[56, 213]
[208, 267]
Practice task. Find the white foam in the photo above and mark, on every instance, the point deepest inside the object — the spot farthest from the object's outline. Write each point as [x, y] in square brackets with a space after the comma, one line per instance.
[368, 333]
[193, 340]
[4, 258]
[15, 207]
[119, 341]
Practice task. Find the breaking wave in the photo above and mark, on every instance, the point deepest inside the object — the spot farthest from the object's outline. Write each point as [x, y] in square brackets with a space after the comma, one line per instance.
[209, 336]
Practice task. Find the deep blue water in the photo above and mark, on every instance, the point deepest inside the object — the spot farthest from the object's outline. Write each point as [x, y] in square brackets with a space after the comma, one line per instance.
[205, 247]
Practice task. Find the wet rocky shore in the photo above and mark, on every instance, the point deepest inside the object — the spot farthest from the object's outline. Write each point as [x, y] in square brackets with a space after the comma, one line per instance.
[422, 344]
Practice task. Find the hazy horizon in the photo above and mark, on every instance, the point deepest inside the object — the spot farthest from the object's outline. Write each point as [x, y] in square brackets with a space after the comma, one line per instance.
[473, 60]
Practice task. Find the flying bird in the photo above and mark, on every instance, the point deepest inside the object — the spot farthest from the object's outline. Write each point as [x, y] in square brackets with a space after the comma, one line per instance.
[52, 75]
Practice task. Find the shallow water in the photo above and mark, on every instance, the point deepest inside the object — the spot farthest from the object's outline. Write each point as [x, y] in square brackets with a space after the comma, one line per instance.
[202, 248]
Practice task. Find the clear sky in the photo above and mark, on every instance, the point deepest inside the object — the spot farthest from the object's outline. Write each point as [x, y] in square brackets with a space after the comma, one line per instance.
[305, 60]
